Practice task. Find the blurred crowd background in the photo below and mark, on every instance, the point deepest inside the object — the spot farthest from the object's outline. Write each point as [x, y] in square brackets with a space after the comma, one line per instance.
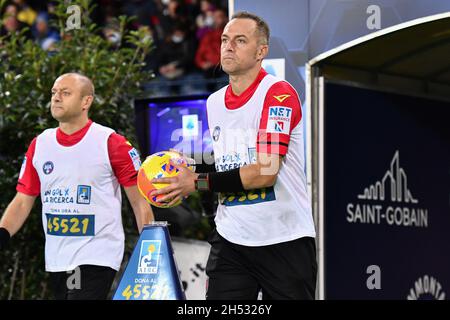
[186, 36]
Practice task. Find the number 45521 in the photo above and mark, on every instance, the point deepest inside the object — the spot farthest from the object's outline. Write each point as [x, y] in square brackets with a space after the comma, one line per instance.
[145, 292]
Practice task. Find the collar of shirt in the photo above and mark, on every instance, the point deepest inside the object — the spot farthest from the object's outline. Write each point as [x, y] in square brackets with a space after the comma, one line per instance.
[68, 140]
[233, 101]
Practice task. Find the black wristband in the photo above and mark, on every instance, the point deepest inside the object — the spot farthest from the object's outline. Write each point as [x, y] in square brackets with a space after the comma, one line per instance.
[4, 237]
[226, 181]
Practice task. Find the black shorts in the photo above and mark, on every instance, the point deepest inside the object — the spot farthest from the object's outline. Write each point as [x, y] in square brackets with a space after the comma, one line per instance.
[94, 283]
[282, 271]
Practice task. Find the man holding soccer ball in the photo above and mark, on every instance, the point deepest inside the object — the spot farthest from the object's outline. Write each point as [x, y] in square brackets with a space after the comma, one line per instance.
[264, 237]
[77, 169]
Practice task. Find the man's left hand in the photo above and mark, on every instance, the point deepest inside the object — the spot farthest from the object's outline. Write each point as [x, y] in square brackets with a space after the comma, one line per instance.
[179, 187]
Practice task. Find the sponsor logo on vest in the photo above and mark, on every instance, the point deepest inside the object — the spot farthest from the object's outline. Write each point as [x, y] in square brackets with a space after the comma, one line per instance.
[84, 194]
[57, 195]
[48, 167]
[282, 97]
[149, 257]
[279, 120]
[281, 112]
[426, 288]
[231, 161]
[135, 158]
[216, 133]
[279, 125]
[389, 201]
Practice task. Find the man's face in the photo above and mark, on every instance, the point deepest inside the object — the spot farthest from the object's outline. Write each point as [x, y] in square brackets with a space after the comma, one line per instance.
[67, 102]
[240, 46]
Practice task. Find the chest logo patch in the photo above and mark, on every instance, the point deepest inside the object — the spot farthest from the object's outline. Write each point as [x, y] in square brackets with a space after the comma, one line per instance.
[48, 167]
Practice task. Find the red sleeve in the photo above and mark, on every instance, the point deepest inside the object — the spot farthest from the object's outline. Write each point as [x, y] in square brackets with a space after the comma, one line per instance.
[29, 182]
[281, 114]
[125, 160]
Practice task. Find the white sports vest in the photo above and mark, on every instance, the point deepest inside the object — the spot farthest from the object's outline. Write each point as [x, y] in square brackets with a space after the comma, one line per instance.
[264, 216]
[81, 201]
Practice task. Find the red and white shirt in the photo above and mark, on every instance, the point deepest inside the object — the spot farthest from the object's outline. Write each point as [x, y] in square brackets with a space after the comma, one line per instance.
[78, 177]
[265, 118]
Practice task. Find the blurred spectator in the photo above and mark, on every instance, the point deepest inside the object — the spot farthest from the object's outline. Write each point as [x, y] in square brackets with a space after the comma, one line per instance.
[51, 8]
[26, 14]
[174, 47]
[151, 59]
[205, 20]
[44, 35]
[207, 57]
[176, 54]
[174, 13]
[111, 32]
[109, 15]
[10, 23]
[143, 10]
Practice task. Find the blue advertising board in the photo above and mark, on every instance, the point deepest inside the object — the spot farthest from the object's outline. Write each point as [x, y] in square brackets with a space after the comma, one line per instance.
[387, 195]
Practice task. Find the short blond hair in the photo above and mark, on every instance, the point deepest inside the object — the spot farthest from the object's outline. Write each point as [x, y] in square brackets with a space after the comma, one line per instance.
[261, 26]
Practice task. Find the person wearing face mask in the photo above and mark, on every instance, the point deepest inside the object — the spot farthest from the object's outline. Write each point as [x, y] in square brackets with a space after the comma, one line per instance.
[176, 55]
[172, 14]
[177, 37]
[207, 57]
[112, 34]
[205, 19]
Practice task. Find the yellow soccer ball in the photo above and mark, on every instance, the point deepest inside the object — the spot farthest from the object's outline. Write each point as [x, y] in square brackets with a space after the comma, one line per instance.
[158, 165]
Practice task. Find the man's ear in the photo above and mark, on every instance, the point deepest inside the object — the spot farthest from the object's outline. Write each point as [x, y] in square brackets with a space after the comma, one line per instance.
[87, 102]
[262, 52]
